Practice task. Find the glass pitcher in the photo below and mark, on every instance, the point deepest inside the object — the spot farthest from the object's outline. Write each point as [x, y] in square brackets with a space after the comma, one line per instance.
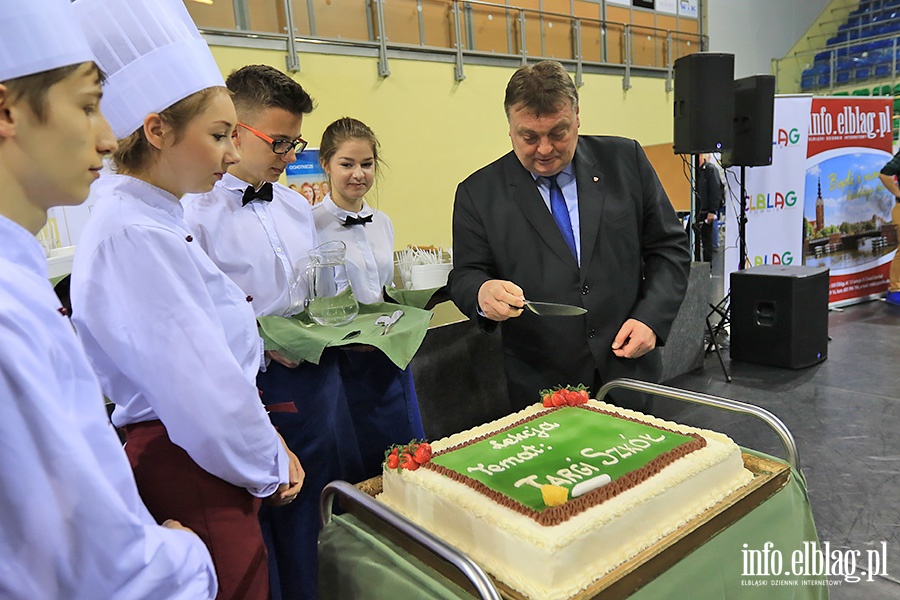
[329, 299]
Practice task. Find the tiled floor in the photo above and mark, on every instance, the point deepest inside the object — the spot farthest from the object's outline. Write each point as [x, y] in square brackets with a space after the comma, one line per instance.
[844, 414]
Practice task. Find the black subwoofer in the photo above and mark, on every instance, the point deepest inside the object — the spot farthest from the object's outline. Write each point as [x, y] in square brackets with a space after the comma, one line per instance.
[779, 315]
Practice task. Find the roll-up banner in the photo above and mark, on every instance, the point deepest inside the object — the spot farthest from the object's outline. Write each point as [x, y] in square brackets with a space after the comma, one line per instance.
[847, 210]
[821, 203]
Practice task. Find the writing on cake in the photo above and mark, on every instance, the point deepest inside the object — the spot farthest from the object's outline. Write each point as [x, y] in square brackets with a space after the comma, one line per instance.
[511, 465]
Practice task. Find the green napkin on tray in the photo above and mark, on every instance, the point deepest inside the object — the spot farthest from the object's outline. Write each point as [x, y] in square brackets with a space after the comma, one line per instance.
[299, 338]
[417, 298]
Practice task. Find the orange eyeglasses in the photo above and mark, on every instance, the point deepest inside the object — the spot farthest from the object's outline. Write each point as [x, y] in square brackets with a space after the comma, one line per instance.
[279, 146]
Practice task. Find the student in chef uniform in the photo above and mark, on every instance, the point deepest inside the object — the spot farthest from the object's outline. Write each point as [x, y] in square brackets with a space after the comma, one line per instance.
[381, 396]
[173, 340]
[259, 232]
[71, 522]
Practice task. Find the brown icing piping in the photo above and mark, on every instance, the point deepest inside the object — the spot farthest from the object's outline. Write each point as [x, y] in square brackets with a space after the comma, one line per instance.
[558, 514]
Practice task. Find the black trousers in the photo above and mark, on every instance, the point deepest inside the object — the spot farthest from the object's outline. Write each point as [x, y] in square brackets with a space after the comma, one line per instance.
[706, 241]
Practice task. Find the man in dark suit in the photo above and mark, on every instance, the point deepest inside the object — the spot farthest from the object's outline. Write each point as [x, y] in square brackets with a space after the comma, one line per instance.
[574, 220]
[710, 198]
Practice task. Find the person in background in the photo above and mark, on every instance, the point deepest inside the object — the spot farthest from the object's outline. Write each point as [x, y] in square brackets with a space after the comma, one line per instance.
[710, 198]
[888, 177]
[306, 189]
[317, 193]
[260, 233]
[381, 396]
[573, 219]
[72, 524]
[172, 338]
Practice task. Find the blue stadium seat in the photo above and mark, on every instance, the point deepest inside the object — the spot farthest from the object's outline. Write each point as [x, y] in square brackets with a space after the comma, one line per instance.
[840, 38]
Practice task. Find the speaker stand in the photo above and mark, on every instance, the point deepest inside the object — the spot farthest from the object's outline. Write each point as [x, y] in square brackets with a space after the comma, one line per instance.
[695, 223]
[723, 308]
[742, 222]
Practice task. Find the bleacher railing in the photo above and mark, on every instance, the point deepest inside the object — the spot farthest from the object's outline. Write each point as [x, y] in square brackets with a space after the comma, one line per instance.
[858, 62]
[462, 31]
[858, 50]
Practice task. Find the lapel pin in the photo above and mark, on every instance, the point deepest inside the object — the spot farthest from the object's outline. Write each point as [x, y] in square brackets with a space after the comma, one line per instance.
[596, 179]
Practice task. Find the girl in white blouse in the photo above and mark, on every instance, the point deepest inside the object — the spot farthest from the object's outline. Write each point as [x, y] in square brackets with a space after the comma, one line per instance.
[175, 343]
[382, 398]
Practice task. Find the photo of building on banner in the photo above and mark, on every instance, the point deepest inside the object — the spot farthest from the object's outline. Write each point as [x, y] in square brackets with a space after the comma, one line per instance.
[306, 176]
[847, 211]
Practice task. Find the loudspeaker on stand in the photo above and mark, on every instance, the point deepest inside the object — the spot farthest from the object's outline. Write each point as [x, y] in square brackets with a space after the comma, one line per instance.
[754, 113]
[704, 103]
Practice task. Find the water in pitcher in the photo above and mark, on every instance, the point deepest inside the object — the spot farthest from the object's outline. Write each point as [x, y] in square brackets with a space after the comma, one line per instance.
[330, 298]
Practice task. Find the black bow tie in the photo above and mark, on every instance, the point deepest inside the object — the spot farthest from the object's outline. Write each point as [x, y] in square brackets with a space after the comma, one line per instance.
[351, 220]
[264, 193]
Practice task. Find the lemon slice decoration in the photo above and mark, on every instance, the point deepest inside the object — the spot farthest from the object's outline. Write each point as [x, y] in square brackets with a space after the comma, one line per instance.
[554, 495]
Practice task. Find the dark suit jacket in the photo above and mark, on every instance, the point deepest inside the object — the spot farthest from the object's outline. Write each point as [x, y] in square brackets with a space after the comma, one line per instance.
[710, 195]
[634, 264]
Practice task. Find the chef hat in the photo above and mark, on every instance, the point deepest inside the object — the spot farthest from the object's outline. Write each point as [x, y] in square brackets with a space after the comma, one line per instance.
[152, 54]
[39, 35]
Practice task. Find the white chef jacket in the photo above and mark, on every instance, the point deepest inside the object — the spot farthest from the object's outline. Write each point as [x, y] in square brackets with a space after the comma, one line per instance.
[370, 247]
[170, 336]
[263, 246]
[71, 522]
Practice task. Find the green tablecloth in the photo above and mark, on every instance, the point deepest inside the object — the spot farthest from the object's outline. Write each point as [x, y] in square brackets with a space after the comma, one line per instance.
[356, 563]
[299, 338]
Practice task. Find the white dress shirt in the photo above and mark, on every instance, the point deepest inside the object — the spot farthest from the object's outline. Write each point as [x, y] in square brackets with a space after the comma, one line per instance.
[370, 247]
[170, 336]
[71, 522]
[263, 246]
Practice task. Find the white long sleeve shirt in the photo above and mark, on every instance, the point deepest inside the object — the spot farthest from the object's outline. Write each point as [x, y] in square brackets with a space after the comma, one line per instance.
[370, 247]
[71, 522]
[263, 246]
[170, 336]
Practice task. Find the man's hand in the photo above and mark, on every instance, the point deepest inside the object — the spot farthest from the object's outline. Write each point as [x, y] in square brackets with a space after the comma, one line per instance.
[500, 300]
[634, 340]
[710, 217]
[281, 359]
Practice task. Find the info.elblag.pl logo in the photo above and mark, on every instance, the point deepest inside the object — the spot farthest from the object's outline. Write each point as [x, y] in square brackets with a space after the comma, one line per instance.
[812, 565]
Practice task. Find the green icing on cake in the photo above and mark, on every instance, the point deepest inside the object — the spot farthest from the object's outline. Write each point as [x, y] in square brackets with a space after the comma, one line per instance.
[563, 447]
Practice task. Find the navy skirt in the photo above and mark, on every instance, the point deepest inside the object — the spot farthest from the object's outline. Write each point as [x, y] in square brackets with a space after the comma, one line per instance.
[383, 405]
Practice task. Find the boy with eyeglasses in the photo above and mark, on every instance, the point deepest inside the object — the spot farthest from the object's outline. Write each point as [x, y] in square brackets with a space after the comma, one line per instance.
[71, 522]
[259, 232]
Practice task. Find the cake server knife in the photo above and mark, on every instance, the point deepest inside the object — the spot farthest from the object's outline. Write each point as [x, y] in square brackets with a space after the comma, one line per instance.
[552, 309]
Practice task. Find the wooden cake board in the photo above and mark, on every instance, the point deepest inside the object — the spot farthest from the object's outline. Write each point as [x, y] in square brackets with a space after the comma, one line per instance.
[769, 477]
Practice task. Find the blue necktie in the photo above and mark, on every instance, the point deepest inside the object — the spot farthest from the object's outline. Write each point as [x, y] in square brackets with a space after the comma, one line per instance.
[561, 213]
